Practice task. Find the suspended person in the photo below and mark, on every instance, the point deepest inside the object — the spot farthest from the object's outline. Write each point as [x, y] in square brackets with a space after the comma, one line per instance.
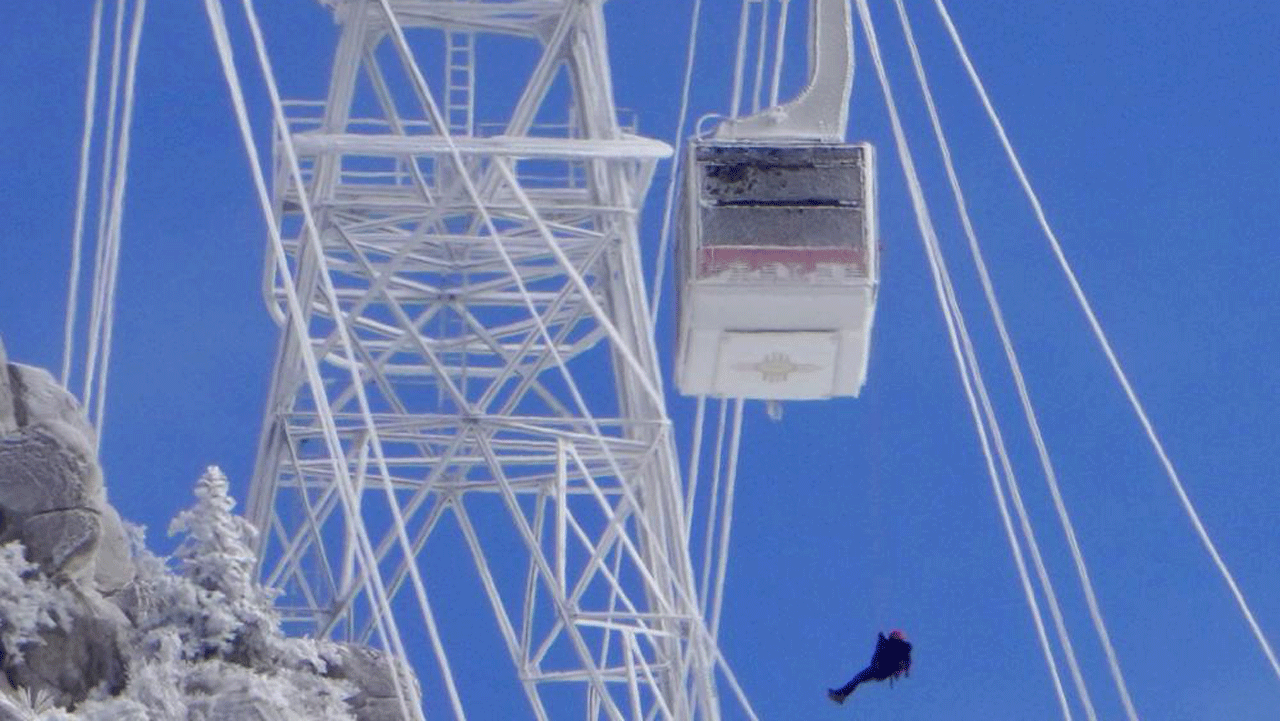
[892, 658]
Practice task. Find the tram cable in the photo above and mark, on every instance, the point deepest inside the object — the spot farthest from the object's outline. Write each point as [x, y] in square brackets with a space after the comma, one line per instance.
[214, 8]
[110, 199]
[669, 203]
[116, 220]
[984, 417]
[387, 630]
[1105, 344]
[82, 192]
[731, 482]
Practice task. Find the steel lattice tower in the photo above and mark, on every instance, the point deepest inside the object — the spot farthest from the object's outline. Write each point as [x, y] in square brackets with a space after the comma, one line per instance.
[465, 345]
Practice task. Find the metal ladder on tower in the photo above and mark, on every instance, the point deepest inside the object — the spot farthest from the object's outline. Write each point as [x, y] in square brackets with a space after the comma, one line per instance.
[460, 82]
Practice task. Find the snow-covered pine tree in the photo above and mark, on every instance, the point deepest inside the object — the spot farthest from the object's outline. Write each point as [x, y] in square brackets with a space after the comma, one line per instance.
[208, 641]
[215, 552]
[232, 616]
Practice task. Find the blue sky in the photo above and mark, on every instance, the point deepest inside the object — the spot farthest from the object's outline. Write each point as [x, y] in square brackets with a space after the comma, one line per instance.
[1148, 130]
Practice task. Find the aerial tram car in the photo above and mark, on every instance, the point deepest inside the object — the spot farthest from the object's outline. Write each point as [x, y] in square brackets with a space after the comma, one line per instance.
[778, 263]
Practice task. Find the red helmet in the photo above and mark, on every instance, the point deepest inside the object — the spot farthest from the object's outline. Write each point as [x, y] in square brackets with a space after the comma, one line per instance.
[898, 634]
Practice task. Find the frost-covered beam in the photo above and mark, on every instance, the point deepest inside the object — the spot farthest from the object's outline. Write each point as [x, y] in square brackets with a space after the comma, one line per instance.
[403, 146]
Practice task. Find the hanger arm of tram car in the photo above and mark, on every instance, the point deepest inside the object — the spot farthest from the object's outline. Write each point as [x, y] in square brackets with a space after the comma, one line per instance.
[778, 264]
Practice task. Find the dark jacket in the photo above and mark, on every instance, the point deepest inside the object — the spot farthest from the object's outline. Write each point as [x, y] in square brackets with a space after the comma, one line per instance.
[892, 656]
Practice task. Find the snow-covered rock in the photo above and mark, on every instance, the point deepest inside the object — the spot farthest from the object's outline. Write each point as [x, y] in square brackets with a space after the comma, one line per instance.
[39, 399]
[369, 670]
[93, 627]
[82, 651]
[113, 564]
[51, 492]
[43, 468]
[8, 413]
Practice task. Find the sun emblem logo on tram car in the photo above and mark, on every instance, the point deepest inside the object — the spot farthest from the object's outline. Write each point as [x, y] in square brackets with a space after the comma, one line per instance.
[776, 367]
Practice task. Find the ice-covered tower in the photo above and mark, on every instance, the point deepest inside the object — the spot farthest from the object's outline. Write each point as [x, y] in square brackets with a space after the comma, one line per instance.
[466, 387]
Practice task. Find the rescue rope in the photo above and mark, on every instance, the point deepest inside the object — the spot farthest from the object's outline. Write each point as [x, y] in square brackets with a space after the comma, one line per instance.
[1032, 423]
[957, 334]
[1105, 345]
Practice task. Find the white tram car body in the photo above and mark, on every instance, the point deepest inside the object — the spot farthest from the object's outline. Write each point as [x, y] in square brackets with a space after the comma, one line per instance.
[778, 269]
